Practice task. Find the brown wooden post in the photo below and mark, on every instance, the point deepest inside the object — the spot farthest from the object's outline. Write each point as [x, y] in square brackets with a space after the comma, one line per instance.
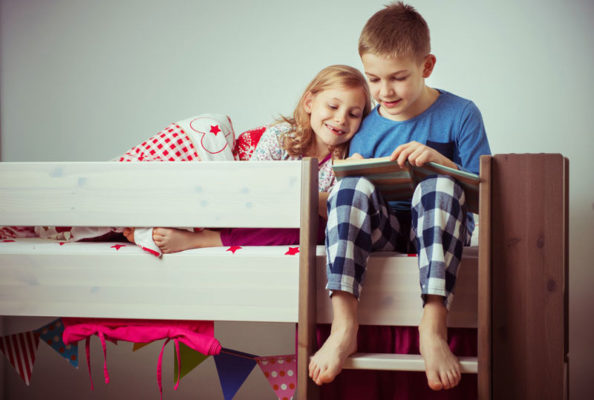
[306, 389]
[529, 206]
[484, 283]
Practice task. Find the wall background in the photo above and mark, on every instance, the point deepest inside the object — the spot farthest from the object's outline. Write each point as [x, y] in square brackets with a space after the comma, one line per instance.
[85, 80]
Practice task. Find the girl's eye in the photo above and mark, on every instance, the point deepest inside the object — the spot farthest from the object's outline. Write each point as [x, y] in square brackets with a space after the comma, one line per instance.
[356, 116]
[332, 106]
[373, 80]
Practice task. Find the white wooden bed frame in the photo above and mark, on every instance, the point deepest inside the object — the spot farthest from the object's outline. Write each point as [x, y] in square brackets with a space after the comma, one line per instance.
[84, 280]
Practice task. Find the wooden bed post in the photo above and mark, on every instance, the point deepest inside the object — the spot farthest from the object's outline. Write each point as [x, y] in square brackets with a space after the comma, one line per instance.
[306, 331]
[529, 285]
[484, 282]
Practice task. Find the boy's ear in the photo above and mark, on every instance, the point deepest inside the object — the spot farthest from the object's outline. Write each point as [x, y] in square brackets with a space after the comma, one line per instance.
[307, 102]
[428, 65]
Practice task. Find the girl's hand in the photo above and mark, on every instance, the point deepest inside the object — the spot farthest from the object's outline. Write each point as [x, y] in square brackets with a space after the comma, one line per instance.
[355, 156]
[418, 154]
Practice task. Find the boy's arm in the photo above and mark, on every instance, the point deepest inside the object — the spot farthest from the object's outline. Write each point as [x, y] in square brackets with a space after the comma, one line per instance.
[418, 154]
[471, 143]
[472, 139]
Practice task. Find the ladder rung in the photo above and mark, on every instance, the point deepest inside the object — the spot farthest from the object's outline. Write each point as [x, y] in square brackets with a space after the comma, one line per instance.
[400, 362]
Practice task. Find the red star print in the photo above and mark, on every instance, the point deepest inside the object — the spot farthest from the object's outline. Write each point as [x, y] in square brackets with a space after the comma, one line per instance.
[292, 251]
[215, 129]
[62, 243]
[233, 249]
[118, 246]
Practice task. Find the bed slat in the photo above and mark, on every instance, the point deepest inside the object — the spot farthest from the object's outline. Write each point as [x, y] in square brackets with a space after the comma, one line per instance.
[150, 194]
[400, 362]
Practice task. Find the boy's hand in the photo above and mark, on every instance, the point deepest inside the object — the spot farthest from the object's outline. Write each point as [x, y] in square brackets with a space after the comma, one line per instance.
[418, 154]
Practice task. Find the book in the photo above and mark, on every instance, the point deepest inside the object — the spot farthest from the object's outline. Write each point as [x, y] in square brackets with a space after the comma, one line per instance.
[397, 183]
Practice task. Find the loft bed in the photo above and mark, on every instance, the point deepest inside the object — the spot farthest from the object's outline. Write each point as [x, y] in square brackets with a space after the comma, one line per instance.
[512, 288]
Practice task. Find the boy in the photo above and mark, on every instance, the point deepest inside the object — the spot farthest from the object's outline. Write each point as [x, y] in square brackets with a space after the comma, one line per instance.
[415, 123]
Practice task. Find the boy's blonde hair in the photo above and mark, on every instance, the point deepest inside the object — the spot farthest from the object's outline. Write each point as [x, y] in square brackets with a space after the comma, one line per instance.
[397, 30]
[301, 137]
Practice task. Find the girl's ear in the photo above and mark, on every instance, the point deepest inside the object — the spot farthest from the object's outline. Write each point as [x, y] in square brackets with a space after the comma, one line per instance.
[307, 102]
[428, 65]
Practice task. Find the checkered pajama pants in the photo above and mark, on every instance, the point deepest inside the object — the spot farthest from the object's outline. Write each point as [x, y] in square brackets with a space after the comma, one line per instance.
[360, 222]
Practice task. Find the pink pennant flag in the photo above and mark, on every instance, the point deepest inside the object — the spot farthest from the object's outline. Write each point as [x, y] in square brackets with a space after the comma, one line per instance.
[281, 372]
[21, 349]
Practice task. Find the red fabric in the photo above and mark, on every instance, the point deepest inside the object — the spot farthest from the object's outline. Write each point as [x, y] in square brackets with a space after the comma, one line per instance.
[246, 143]
[171, 144]
[266, 236]
[198, 335]
[398, 385]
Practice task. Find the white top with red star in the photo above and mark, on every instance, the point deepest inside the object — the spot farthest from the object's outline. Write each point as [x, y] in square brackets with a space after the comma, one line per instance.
[270, 148]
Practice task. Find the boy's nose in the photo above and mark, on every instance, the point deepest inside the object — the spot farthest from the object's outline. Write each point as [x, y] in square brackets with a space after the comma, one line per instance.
[386, 89]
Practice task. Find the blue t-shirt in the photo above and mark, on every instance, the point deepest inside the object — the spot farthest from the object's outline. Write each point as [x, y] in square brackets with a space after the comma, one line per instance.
[452, 125]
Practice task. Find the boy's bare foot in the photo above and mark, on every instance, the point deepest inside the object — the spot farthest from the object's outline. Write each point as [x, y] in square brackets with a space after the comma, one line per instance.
[441, 365]
[327, 363]
[171, 240]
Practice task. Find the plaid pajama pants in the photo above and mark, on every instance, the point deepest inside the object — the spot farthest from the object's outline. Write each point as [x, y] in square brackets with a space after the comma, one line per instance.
[360, 222]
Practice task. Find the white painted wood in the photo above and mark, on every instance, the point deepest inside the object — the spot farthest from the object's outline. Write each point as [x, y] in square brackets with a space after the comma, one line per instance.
[93, 280]
[43, 278]
[400, 362]
[181, 194]
[392, 296]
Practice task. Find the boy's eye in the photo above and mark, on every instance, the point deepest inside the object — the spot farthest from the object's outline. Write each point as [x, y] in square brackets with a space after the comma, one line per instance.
[400, 78]
[332, 106]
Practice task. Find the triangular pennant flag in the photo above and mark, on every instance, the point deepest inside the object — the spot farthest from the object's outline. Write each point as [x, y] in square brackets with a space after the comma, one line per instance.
[21, 349]
[190, 359]
[233, 368]
[137, 346]
[52, 335]
[281, 372]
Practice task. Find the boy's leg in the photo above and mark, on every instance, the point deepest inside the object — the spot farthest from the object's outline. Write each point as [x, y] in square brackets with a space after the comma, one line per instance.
[439, 227]
[358, 223]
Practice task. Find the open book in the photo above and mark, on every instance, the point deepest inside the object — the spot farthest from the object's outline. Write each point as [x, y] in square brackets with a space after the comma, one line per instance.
[398, 183]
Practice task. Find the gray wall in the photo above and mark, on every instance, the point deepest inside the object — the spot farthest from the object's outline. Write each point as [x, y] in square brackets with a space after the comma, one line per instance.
[86, 80]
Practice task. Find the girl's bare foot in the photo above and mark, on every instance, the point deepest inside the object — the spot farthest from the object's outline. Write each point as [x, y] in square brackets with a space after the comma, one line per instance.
[441, 365]
[129, 234]
[171, 240]
[327, 363]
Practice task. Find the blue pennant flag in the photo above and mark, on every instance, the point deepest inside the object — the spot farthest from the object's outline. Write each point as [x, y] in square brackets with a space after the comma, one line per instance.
[52, 335]
[233, 368]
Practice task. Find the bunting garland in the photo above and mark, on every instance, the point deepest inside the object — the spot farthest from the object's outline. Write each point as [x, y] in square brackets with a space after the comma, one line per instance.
[233, 366]
[190, 359]
[281, 372]
[21, 349]
[52, 335]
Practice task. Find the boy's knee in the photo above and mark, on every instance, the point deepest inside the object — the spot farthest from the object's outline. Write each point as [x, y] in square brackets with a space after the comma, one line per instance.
[354, 183]
[438, 186]
[350, 191]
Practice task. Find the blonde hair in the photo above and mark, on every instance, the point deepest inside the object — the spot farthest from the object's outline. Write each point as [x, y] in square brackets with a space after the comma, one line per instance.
[397, 30]
[300, 139]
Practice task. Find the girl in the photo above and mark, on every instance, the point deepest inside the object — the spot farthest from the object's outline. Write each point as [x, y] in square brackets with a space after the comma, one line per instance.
[327, 116]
